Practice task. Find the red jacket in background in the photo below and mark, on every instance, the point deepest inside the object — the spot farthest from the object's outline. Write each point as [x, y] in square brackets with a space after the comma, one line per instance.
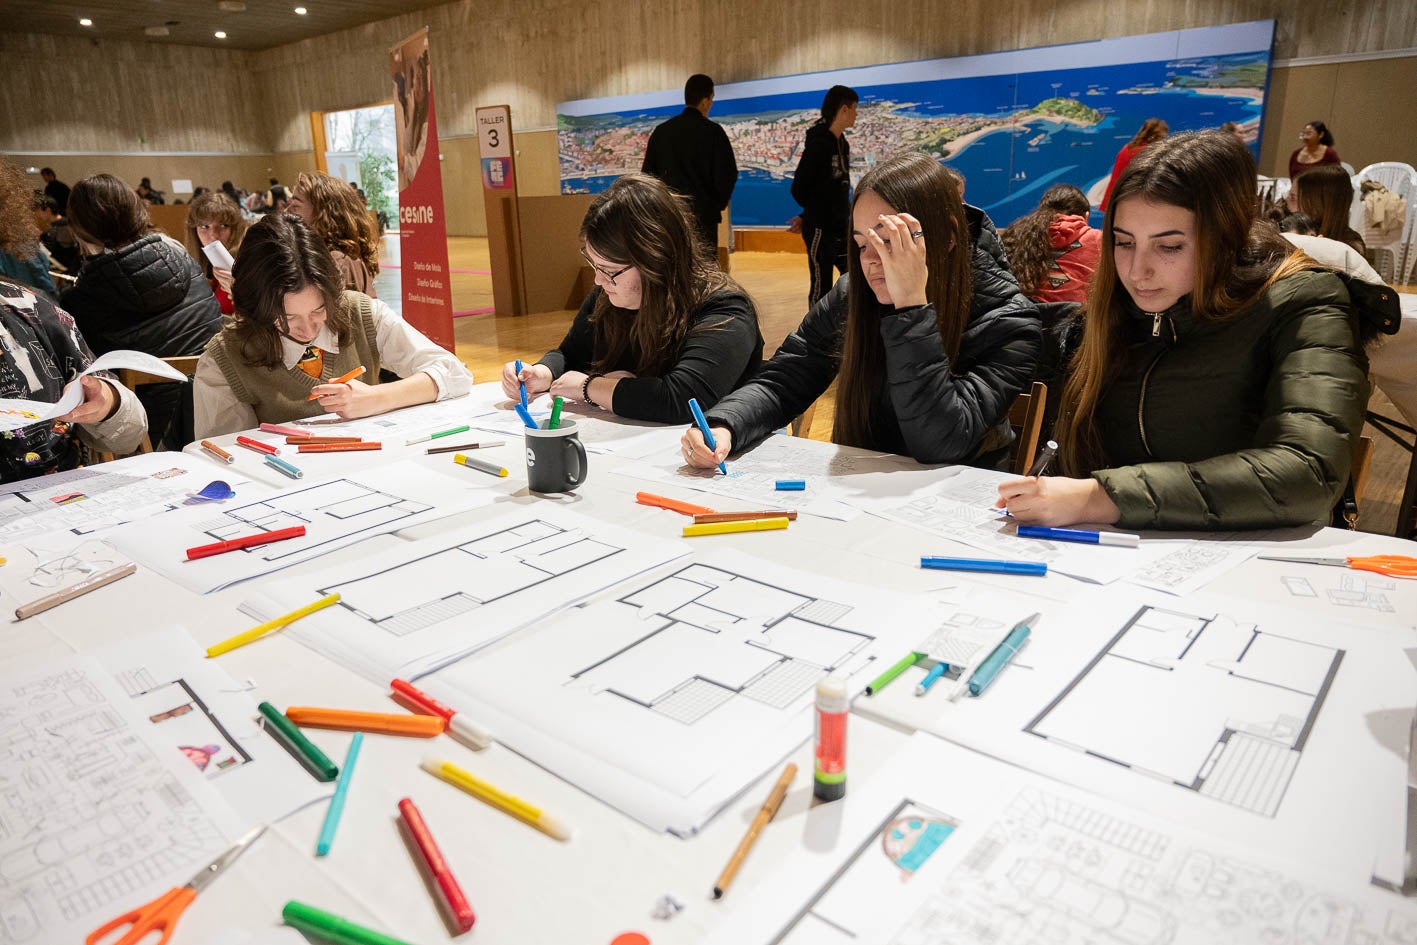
[1124, 157]
[1076, 249]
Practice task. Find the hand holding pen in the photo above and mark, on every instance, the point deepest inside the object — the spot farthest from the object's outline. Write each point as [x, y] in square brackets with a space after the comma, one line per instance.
[535, 377]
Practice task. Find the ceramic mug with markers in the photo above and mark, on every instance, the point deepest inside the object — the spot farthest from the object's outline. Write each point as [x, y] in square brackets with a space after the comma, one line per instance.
[555, 459]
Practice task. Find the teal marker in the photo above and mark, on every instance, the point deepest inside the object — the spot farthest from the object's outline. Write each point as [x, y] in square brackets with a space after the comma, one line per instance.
[1004, 652]
[932, 677]
[336, 808]
[290, 469]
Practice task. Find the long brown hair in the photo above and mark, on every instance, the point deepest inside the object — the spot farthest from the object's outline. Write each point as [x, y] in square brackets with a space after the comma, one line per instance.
[213, 207]
[1326, 195]
[1153, 129]
[1026, 241]
[638, 221]
[104, 210]
[280, 255]
[1238, 256]
[18, 233]
[340, 217]
[918, 185]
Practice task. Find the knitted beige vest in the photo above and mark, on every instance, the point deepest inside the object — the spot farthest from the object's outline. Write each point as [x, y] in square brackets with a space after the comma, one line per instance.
[281, 394]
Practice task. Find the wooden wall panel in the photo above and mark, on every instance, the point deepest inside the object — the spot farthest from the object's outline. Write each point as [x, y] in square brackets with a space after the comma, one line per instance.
[203, 170]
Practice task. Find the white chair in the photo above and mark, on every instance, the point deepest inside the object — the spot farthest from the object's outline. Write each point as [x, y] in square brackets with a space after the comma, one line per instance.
[1394, 175]
[1347, 167]
[1391, 254]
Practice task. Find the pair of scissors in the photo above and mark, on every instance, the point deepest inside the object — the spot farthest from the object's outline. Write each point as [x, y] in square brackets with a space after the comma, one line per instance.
[162, 913]
[1403, 566]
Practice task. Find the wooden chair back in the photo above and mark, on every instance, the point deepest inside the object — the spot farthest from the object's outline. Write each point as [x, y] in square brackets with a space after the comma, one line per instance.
[1026, 417]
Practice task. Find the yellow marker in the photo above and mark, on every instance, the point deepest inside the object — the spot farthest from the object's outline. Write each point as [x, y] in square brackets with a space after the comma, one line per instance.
[501, 800]
[255, 633]
[725, 528]
[471, 463]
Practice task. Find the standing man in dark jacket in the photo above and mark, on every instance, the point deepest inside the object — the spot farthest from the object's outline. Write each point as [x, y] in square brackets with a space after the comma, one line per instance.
[694, 157]
[56, 188]
[822, 185]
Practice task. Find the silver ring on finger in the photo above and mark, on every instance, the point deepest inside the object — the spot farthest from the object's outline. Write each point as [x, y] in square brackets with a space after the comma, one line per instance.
[917, 234]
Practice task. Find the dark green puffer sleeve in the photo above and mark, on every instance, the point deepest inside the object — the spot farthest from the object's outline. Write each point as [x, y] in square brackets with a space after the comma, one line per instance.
[1311, 417]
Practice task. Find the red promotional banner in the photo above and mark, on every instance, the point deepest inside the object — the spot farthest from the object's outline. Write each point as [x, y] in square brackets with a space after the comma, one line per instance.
[427, 294]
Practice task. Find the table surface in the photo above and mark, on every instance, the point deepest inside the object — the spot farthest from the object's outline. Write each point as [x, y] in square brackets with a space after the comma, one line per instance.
[525, 887]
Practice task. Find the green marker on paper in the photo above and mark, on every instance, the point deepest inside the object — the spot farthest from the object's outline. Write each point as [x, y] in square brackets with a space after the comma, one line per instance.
[881, 681]
[555, 413]
[331, 928]
[289, 735]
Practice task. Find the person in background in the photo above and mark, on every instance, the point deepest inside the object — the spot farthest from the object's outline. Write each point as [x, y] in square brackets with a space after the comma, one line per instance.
[1300, 224]
[296, 329]
[213, 218]
[139, 290]
[1053, 251]
[55, 234]
[1220, 382]
[928, 336]
[56, 188]
[1233, 128]
[958, 177]
[663, 323]
[1325, 193]
[334, 211]
[694, 157]
[1315, 148]
[232, 194]
[1151, 131]
[146, 192]
[822, 186]
[42, 351]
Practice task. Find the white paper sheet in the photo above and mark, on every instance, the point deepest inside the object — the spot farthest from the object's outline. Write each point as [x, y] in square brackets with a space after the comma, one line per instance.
[198, 710]
[16, 412]
[398, 426]
[100, 814]
[335, 513]
[599, 430]
[944, 845]
[437, 599]
[673, 692]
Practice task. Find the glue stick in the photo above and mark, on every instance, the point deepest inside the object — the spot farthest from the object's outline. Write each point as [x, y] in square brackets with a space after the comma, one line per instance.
[829, 774]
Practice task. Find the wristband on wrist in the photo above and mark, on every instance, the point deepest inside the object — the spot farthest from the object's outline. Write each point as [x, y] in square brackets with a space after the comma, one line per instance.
[585, 389]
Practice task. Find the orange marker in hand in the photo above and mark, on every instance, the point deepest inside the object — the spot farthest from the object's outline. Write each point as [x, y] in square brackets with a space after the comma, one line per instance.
[342, 379]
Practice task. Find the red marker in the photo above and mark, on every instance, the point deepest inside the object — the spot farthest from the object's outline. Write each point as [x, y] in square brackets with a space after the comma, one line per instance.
[246, 541]
[342, 379]
[257, 445]
[460, 726]
[453, 897]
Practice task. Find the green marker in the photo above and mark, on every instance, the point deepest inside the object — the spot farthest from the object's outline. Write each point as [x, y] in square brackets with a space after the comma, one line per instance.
[294, 740]
[331, 928]
[555, 413]
[881, 681]
[433, 436]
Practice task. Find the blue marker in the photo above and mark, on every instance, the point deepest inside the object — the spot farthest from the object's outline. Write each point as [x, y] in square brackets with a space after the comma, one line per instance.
[985, 566]
[1004, 652]
[931, 677]
[702, 421]
[290, 469]
[520, 382]
[791, 485]
[1120, 539]
[336, 808]
[525, 414]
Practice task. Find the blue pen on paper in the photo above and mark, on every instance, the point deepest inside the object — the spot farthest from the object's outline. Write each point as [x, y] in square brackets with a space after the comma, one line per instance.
[1119, 539]
[702, 421]
[985, 566]
[290, 469]
[933, 676]
[336, 808]
[520, 383]
[525, 414]
[791, 485]
[1001, 656]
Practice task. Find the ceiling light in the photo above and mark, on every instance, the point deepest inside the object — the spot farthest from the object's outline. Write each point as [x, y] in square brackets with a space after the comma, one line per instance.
[220, 34]
[301, 11]
[85, 21]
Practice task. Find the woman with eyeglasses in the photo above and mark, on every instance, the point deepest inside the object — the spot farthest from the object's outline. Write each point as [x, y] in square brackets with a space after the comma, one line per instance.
[662, 325]
[296, 332]
[928, 336]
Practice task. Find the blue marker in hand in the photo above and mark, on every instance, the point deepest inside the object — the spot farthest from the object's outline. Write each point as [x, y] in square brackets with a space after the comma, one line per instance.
[521, 383]
[702, 421]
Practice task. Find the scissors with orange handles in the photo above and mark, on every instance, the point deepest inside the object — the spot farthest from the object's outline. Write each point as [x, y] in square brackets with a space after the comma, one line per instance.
[162, 913]
[1403, 566]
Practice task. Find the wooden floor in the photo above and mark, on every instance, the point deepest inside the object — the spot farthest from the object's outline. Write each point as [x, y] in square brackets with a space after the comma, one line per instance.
[778, 284]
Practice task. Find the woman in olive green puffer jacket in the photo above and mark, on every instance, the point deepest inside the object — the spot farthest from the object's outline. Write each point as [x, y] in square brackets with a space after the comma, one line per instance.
[1221, 381]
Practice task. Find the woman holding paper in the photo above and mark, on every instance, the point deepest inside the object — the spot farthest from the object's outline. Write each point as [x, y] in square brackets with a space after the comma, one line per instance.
[927, 334]
[297, 334]
[662, 326]
[42, 352]
[213, 218]
[1221, 380]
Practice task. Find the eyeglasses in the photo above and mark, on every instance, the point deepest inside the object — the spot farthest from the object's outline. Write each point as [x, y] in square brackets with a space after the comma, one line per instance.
[610, 276]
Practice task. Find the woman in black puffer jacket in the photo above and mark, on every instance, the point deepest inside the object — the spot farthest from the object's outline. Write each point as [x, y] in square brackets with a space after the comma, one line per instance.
[139, 290]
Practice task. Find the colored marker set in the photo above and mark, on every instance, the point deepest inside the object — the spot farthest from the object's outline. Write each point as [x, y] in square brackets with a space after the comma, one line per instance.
[709, 522]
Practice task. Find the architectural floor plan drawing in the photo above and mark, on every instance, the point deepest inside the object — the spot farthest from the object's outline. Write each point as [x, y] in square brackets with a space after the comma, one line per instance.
[1206, 702]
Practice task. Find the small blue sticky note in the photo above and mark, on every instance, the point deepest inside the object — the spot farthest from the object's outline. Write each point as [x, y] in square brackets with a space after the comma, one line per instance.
[215, 491]
[791, 485]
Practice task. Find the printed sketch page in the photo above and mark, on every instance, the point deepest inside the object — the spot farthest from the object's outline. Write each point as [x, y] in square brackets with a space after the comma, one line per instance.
[437, 599]
[669, 695]
[944, 845]
[16, 412]
[335, 513]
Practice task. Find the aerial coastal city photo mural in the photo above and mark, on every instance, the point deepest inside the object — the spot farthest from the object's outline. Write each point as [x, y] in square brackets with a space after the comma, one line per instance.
[1013, 123]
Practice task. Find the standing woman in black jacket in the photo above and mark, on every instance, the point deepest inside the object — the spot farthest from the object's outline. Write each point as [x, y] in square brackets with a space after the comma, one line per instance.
[822, 185]
[663, 324]
[928, 332]
[139, 290]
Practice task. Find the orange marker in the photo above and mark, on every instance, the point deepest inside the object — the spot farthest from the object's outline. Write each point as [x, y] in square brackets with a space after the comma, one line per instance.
[338, 447]
[308, 439]
[673, 505]
[342, 379]
[384, 723]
